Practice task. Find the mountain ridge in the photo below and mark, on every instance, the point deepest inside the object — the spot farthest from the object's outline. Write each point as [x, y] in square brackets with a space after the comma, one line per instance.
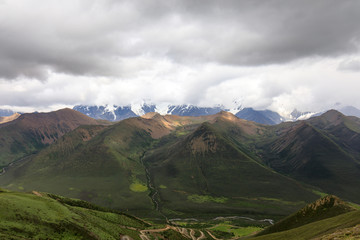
[116, 113]
[32, 131]
[214, 164]
[325, 207]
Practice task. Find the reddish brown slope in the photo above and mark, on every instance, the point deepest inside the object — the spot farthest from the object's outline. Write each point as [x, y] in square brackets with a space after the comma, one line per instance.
[32, 131]
[50, 126]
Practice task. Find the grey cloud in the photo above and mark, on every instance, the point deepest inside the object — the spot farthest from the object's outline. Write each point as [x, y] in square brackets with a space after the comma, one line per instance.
[350, 65]
[92, 37]
[282, 30]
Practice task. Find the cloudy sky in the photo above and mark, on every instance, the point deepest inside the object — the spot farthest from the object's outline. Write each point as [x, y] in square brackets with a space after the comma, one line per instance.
[274, 54]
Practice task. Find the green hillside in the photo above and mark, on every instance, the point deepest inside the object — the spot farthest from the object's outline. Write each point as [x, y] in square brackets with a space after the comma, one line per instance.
[344, 226]
[206, 172]
[38, 216]
[326, 207]
[94, 164]
[165, 167]
[309, 152]
[327, 218]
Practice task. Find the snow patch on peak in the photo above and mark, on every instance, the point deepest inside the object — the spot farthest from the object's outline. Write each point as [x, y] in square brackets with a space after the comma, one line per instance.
[296, 115]
[137, 108]
[162, 108]
[143, 107]
[236, 106]
[111, 109]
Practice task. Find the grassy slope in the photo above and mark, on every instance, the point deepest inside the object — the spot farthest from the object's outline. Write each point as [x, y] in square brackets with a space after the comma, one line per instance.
[309, 155]
[343, 130]
[27, 216]
[207, 172]
[318, 228]
[99, 168]
[43, 216]
[326, 207]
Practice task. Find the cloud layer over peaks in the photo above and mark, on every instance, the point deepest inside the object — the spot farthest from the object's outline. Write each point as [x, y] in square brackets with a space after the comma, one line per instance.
[168, 50]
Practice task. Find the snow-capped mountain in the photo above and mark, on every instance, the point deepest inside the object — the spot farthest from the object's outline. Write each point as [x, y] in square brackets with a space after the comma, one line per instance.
[142, 108]
[346, 110]
[194, 111]
[117, 113]
[110, 113]
[296, 115]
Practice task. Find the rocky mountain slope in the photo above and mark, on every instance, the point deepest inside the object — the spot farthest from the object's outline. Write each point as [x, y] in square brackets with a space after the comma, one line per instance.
[31, 132]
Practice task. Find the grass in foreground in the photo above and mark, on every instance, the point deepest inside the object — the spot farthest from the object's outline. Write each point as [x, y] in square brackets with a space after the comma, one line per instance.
[223, 229]
[317, 229]
[38, 216]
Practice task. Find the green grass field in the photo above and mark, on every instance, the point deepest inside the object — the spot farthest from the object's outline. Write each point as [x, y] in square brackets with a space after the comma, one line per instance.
[234, 230]
[25, 216]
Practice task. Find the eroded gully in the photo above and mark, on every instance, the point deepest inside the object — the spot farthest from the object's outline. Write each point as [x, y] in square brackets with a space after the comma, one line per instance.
[154, 193]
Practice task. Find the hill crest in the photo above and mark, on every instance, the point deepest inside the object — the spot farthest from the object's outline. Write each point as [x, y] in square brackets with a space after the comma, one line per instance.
[325, 207]
[31, 132]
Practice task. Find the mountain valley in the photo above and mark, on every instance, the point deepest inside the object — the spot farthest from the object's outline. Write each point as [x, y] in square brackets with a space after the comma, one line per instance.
[169, 169]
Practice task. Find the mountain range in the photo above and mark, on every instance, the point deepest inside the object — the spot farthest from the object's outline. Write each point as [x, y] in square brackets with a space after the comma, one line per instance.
[116, 113]
[174, 169]
[268, 117]
[168, 166]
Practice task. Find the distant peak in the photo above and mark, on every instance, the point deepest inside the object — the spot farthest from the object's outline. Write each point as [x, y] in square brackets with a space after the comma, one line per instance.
[333, 111]
[66, 110]
[350, 111]
[151, 115]
[325, 207]
[332, 115]
[325, 203]
[227, 115]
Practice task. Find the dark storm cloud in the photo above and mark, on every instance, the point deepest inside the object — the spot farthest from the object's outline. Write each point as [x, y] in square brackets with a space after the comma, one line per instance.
[266, 32]
[94, 38]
